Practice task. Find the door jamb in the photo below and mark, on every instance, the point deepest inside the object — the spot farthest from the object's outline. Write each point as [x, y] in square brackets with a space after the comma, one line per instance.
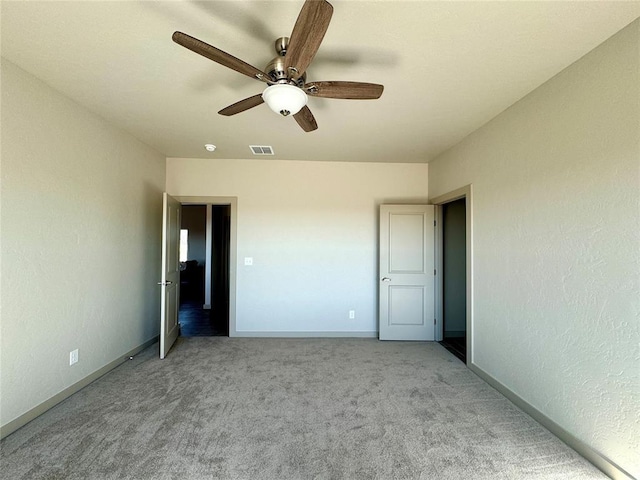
[233, 245]
[465, 192]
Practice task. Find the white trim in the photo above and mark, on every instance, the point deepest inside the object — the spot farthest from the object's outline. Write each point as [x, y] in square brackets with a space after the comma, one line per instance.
[38, 410]
[465, 192]
[277, 334]
[233, 246]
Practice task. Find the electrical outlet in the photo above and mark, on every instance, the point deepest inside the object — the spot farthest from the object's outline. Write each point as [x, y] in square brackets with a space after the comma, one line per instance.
[352, 314]
[73, 357]
[248, 261]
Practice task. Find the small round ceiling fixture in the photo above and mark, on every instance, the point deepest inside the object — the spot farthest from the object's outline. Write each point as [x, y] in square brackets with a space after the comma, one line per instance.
[210, 147]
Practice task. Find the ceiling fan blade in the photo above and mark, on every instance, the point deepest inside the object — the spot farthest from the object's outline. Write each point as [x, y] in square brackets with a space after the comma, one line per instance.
[242, 105]
[218, 56]
[347, 90]
[308, 32]
[305, 119]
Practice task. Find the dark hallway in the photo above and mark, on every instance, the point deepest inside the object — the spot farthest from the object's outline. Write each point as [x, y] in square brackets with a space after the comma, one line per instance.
[454, 301]
[195, 321]
[194, 318]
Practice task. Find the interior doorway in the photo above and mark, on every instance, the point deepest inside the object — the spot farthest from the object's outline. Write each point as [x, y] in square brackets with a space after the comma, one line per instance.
[220, 250]
[454, 280]
[454, 267]
[205, 236]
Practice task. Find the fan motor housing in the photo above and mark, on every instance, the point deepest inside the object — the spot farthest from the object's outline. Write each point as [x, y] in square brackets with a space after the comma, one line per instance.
[276, 69]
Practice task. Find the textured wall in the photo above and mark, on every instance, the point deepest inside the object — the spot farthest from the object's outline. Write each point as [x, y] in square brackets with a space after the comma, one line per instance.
[81, 211]
[556, 197]
[311, 228]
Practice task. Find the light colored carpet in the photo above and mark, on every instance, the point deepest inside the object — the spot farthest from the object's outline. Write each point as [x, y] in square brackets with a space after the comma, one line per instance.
[228, 408]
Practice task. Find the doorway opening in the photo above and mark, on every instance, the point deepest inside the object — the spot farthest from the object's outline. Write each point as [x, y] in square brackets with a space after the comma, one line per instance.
[204, 270]
[454, 267]
[454, 280]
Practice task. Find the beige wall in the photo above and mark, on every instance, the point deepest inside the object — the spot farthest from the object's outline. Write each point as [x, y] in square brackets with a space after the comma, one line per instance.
[556, 197]
[81, 210]
[311, 229]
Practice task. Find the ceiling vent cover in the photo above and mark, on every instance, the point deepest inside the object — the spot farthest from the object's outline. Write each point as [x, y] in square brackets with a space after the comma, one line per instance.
[261, 149]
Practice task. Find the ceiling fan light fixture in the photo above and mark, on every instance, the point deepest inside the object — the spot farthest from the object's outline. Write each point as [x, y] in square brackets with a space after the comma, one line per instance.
[284, 99]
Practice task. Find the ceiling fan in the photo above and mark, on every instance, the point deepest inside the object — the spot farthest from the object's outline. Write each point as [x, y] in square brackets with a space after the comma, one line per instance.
[285, 76]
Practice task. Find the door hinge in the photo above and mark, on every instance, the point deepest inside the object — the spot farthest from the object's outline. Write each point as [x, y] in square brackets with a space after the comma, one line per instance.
[434, 271]
[434, 223]
[434, 321]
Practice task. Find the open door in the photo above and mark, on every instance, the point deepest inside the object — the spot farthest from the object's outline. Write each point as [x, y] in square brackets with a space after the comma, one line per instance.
[407, 272]
[170, 296]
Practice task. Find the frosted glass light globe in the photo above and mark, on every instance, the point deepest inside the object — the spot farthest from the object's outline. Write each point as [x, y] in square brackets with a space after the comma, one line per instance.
[284, 99]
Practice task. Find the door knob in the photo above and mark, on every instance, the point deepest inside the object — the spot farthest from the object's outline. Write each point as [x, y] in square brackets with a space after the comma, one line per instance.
[168, 282]
[386, 279]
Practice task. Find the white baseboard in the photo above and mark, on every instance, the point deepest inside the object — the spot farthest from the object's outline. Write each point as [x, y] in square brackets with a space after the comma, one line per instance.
[304, 334]
[38, 410]
[606, 465]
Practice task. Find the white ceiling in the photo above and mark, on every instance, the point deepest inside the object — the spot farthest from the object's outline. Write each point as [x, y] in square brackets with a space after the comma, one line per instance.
[447, 68]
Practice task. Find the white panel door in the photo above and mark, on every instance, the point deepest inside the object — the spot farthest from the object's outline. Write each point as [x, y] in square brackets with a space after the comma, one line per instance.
[170, 283]
[407, 306]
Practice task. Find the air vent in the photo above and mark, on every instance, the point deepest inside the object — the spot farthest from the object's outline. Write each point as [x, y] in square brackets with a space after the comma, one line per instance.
[261, 149]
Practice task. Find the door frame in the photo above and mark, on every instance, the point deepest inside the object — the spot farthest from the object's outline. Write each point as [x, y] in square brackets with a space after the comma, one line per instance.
[465, 192]
[233, 245]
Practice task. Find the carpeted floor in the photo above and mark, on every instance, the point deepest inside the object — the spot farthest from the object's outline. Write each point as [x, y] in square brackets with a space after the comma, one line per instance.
[232, 408]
